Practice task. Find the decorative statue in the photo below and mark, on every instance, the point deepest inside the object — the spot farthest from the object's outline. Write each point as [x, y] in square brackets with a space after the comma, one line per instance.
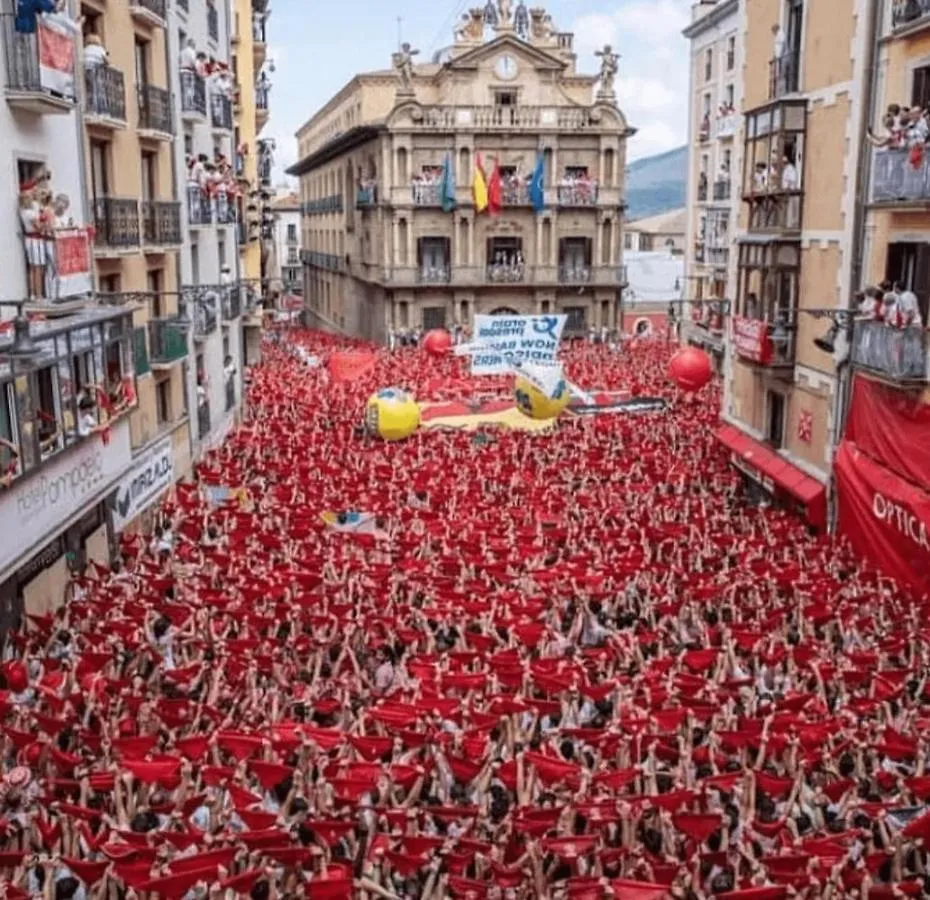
[540, 24]
[521, 20]
[609, 69]
[472, 27]
[403, 62]
[490, 14]
[503, 7]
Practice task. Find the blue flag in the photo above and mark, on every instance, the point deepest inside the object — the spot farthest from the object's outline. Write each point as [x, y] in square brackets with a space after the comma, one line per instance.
[537, 191]
[447, 190]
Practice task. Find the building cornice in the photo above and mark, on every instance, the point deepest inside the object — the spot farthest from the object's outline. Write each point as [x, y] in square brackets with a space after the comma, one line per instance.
[718, 14]
[346, 141]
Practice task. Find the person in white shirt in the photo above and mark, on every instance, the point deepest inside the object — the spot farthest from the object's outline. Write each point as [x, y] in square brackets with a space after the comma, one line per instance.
[908, 307]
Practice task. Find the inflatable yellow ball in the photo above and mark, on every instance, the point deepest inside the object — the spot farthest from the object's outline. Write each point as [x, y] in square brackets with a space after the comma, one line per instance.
[392, 414]
[533, 402]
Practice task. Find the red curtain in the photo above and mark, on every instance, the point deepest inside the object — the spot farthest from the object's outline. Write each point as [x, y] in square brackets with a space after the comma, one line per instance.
[892, 427]
[886, 518]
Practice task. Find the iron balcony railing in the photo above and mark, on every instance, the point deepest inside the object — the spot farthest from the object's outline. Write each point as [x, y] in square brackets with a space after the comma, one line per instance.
[426, 193]
[704, 129]
[161, 223]
[899, 354]
[896, 179]
[21, 52]
[261, 98]
[702, 191]
[783, 74]
[574, 274]
[203, 420]
[366, 196]
[441, 274]
[515, 194]
[140, 352]
[322, 260]
[157, 8]
[105, 93]
[154, 109]
[722, 189]
[506, 272]
[906, 13]
[221, 111]
[199, 206]
[213, 23]
[725, 126]
[193, 93]
[329, 204]
[508, 118]
[167, 340]
[205, 317]
[230, 394]
[580, 194]
[116, 223]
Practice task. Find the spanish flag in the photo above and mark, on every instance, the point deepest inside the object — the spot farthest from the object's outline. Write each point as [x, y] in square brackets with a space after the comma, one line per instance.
[479, 187]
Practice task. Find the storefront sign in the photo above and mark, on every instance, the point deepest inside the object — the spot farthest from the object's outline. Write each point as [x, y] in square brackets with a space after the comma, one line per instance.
[886, 518]
[891, 426]
[152, 475]
[751, 340]
[38, 505]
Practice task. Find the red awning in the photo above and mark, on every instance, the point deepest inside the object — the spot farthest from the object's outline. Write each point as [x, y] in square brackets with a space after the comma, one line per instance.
[767, 464]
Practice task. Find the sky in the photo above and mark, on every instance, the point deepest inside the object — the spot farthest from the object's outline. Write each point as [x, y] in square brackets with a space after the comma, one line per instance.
[319, 46]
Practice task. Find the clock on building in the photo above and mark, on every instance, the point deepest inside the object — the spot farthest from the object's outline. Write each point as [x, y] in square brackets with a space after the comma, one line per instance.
[506, 67]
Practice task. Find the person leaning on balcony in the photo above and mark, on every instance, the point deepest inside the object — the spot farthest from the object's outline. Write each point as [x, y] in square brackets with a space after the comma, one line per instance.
[187, 58]
[908, 307]
[95, 54]
[33, 241]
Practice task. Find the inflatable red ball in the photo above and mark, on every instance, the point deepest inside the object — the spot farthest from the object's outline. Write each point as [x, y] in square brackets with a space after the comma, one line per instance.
[437, 342]
[690, 369]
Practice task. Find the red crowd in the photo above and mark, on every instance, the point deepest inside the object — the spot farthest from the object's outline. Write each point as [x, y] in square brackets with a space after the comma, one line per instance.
[580, 665]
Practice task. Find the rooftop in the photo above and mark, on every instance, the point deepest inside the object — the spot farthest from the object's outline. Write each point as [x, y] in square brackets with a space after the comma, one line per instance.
[673, 222]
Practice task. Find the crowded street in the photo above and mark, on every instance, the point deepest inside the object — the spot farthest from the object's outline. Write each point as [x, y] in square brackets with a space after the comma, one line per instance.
[578, 663]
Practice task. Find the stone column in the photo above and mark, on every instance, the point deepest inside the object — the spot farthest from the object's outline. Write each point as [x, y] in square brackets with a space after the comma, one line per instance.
[597, 249]
[471, 245]
[411, 245]
[395, 256]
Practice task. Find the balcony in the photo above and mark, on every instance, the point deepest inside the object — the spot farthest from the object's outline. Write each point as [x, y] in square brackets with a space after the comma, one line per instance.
[581, 193]
[149, 12]
[898, 355]
[154, 112]
[366, 197]
[203, 420]
[516, 194]
[225, 213]
[78, 381]
[259, 42]
[502, 273]
[329, 261]
[193, 96]
[783, 74]
[704, 129]
[221, 116]
[232, 304]
[42, 90]
[140, 352]
[776, 212]
[104, 97]
[571, 273]
[213, 23]
[161, 224]
[167, 342]
[199, 207]
[116, 224]
[230, 394]
[896, 182]
[725, 126]
[702, 189]
[910, 16]
[51, 281]
[721, 189]
[509, 272]
[323, 205]
[507, 118]
[763, 343]
[426, 193]
[262, 106]
[438, 274]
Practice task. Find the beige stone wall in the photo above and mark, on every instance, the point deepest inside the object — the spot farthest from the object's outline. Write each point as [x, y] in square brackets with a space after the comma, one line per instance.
[825, 148]
[46, 592]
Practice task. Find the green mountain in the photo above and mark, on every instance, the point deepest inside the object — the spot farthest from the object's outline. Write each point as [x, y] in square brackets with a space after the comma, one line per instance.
[657, 184]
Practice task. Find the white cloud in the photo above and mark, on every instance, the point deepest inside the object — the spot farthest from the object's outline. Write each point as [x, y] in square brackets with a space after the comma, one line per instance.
[652, 87]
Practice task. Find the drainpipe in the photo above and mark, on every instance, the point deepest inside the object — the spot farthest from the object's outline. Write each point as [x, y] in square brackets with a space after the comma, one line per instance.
[843, 374]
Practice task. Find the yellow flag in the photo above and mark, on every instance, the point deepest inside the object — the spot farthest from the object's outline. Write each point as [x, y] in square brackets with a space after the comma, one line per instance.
[479, 187]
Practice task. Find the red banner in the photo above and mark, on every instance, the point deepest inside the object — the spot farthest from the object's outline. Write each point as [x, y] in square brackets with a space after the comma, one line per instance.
[893, 427]
[886, 518]
[349, 365]
[751, 340]
[56, 49]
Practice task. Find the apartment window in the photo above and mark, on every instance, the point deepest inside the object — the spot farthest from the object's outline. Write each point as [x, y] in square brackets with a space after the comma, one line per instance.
[221, 250]
[142, 61]
[195, 264]
[188, 143]
[775, 418]
[109, 284]
[92, 22]
[575, 319]
[909, 263]
[727, 160]
[731, 54]
[149, 176]
[708, 64]
[706, 104]
[729, 96]
[163, 402]
[291, 234]
[434, 317]
[153, 281]
[705, 163]
[99, 151]
[920, 87]
[505, 98]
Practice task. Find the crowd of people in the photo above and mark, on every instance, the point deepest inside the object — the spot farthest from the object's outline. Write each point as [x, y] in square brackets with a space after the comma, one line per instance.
[583, 664]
